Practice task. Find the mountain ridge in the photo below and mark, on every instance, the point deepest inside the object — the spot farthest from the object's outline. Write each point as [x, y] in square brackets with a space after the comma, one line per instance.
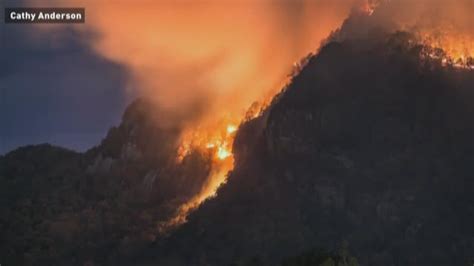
[370, 144]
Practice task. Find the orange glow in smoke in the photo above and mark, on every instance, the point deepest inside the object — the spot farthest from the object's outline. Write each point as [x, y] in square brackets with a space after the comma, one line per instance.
[458, 50]
[212, 59]
[217, 140]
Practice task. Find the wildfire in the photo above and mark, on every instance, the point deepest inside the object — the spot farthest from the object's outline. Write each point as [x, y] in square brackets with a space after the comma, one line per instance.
[231, 129]
[453, 51]
[223, 153]
[216, 139]
[367, 9]
[446, 40]
[369, 6]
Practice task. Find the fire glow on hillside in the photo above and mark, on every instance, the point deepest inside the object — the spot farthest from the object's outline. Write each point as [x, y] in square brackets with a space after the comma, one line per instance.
[451, 51]
[215, 140]
[208, 61]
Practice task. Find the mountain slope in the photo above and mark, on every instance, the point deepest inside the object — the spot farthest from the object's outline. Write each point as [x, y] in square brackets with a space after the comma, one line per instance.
[372, 144]
[64, 208]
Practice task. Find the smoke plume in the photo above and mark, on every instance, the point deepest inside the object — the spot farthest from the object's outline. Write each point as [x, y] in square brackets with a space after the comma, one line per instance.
[208, 59]
[202, 59]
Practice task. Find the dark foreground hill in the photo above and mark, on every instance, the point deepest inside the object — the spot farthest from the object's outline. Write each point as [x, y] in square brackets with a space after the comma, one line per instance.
[370, 146]
[59, 207]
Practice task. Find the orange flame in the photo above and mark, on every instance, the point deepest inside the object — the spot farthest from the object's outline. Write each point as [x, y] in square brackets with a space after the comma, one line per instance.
[457, 51]
[216, 138]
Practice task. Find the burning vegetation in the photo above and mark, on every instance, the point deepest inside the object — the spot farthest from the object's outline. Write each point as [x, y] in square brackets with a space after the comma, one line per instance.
[216, 141]
[452, 51]
[436, 45]
[370, 141]
[327, 132]
[445, 30]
